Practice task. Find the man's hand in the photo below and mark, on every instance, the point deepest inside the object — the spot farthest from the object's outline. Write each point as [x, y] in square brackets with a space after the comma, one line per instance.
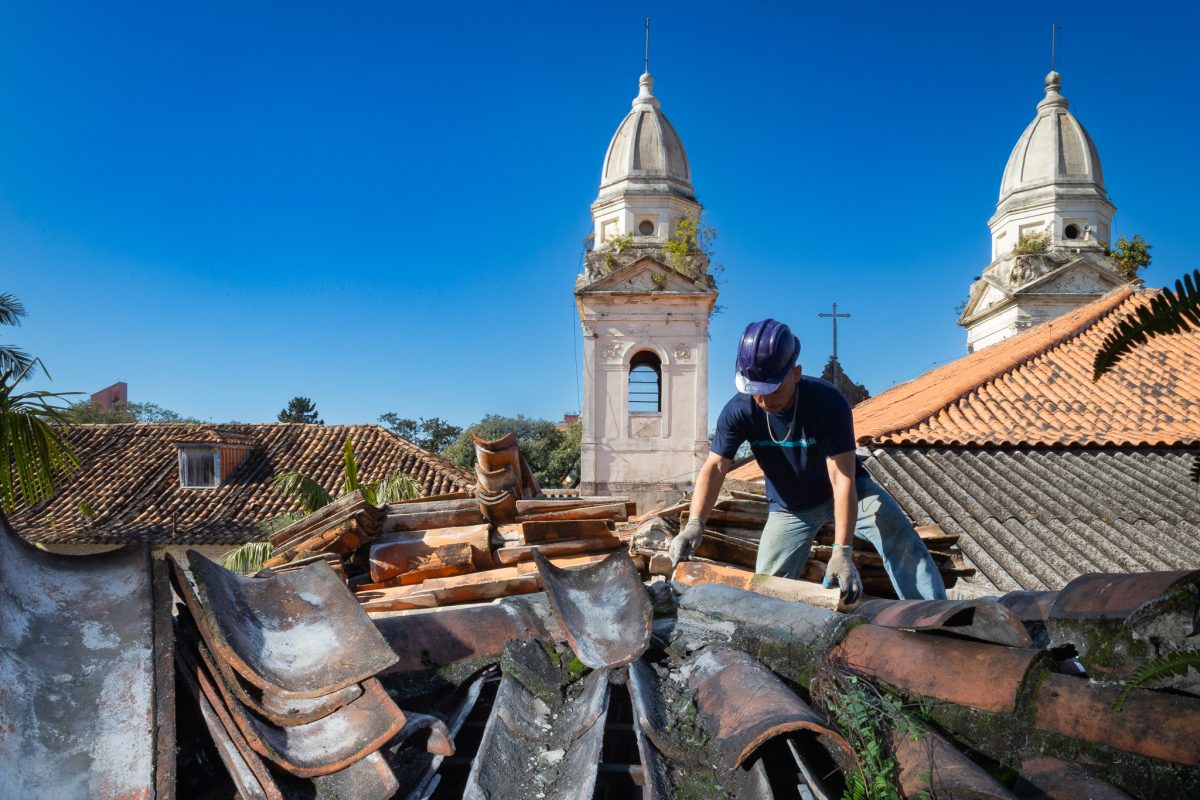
[686, 541]
[841, 568]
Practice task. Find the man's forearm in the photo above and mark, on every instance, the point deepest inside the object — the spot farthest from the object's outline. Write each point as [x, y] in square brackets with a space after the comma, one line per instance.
[845, 512]
[708, 486]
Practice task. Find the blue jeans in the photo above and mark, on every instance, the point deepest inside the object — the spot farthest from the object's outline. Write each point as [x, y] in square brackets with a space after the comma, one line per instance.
[788, 536]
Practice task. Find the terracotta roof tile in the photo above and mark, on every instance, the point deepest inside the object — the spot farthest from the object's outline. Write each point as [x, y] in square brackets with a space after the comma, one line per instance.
[130, 480]
[1037, 389]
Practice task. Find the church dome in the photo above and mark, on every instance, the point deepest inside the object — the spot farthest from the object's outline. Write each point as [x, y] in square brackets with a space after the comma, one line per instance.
[1054, 150]
[646, 155]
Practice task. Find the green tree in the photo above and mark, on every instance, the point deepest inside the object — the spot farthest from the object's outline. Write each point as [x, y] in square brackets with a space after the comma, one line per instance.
[300, 409]
[1131, 256]
[552, 453]
[434, 434]
[89, 412]
[12, 358]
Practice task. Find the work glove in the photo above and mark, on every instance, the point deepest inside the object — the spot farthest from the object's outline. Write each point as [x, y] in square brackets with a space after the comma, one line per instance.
[841, 568]
[686, 541]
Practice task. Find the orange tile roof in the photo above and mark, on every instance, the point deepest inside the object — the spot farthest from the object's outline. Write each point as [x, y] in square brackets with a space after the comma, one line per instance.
[130, 480]
[1036, 389]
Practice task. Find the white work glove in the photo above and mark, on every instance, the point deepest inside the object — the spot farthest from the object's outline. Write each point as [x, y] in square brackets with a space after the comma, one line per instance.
[841, 568]
[686, 541]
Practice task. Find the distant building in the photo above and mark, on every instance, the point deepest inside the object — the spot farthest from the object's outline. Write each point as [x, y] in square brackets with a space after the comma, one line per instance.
[115, 395]
[644, 312]
[1053, 203]
[854, 393]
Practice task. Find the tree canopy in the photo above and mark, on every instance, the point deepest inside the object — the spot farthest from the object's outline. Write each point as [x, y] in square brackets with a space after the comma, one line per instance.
[551, 450]
[434, 434]
[300, 409]
[89, 412]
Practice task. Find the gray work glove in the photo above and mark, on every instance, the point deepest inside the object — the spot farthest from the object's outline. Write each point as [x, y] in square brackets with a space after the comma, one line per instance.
[686, 541]
[841, 568]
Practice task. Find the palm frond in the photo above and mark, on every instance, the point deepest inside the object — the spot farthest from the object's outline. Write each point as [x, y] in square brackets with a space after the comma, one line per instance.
[309, 494]
[1169, 312]
[395, 487]
[36, 455]
[11, 309]
[272, 526]
[351, 467]
[14, 359]
[1174, 664]
[248, 558]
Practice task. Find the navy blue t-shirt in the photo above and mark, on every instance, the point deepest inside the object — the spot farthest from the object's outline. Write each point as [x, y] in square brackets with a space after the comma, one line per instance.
[796, 473]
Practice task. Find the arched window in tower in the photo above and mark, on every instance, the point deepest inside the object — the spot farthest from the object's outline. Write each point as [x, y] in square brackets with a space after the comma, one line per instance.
[645, 383]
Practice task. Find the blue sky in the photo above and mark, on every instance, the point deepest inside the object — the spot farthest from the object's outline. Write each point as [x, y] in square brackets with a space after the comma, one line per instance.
[381, 207]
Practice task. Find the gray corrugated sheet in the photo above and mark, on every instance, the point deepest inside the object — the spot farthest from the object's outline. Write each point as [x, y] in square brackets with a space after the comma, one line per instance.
[1035, 519]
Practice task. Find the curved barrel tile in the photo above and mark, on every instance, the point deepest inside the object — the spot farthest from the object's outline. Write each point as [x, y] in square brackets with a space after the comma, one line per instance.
[279, 709]
[1102, 595]
[1045, 778]
[299, 634]
[985, 620]
[1029, 606]
[929, 766]
[1156, 725]
[603, 609]
[742, 704]
[327, 745]
[77, 689]
[982, 676]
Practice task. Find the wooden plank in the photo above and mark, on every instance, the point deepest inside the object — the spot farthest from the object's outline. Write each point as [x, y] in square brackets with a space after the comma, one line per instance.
[611, 511]
[568, 503]
[740, 495]
[427, 520]
[718, 518]
[693, 573]
[748, 507]
[517, 553]
[436, 498]
[536, 532]
[341, 508]
[718, 547]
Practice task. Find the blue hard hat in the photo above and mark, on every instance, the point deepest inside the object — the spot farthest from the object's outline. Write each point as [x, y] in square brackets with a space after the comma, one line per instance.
[766, 355]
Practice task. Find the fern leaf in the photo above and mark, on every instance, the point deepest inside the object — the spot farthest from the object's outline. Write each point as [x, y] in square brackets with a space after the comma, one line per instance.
[1174, 664]
[1169, 312]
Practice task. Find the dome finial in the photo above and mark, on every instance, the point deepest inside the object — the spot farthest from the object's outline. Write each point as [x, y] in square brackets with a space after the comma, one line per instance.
[1053, 98]
[645, 91]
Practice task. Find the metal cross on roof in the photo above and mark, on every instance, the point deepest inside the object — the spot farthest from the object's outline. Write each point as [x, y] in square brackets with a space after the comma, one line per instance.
[835, 315]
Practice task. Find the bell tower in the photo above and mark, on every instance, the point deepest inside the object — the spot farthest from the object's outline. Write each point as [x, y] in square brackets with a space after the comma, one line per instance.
[1048, 233]
[644, 300]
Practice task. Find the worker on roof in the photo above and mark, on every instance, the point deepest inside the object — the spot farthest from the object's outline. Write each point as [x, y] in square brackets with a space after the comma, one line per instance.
[801, 432]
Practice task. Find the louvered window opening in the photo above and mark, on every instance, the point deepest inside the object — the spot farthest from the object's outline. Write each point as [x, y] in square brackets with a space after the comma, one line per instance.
[197, 467]
[645, 384]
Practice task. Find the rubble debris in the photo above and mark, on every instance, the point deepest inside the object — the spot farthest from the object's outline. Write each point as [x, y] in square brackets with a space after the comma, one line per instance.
[603, 609]
[79, 703]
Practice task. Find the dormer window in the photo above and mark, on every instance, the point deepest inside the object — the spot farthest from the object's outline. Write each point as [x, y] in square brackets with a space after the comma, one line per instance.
[199, 467]
[207, 458]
